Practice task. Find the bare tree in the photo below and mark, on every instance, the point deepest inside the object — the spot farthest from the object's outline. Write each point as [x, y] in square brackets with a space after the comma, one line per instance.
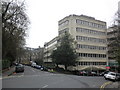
[14, 28]
[115, 44]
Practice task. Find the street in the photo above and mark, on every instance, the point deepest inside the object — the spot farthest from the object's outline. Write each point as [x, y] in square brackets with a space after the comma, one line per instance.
[34, 78]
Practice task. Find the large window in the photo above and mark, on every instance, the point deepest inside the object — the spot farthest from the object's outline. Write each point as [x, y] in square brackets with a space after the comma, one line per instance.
[91, 24]
[63, 31]
[64, 23]
[88, 31]
[90, 39]
[92, 63]
[90, 47]
[92, 55]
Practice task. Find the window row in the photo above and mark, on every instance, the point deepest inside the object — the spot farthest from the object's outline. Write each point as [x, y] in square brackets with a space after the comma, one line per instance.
[64, 23]
[89, 31]
[90, 47]
[92, 63]
[91, 24]
[92, 55]
[63, 31]
[82, 38]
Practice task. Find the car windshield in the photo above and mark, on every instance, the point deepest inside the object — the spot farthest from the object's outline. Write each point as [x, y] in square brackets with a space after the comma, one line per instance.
[112, 74]
[20, 65]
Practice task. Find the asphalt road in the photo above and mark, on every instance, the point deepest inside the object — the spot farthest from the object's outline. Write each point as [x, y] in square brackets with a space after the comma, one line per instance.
[34, 78]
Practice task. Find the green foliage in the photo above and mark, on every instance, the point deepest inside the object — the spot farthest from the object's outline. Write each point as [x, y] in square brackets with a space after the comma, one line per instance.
[65, 54]
[5, 64]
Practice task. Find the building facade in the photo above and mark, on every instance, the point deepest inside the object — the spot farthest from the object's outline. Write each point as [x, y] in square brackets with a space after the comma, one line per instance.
[48, 48]
[91, 37]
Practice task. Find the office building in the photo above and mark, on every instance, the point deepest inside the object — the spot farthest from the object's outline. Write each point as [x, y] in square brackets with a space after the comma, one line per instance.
[91, 37]
[48, 48]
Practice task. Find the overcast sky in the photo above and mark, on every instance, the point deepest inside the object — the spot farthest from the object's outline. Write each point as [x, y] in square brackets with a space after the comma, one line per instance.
[45, 14]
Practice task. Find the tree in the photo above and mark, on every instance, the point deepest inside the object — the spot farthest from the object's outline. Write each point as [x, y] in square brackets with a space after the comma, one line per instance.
[14, 28]
[116, 43]
[65, 54]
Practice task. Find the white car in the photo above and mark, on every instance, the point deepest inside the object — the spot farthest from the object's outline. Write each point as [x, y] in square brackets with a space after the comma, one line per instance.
[33, 64]
[111, 75]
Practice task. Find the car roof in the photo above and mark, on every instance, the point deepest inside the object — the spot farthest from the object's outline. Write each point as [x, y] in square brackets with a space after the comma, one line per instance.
[112, 72]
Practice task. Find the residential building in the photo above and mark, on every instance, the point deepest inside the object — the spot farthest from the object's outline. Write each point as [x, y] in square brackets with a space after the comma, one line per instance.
[90, 35]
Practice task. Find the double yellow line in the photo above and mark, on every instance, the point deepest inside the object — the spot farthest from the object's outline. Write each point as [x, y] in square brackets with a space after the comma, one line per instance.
[104, 85]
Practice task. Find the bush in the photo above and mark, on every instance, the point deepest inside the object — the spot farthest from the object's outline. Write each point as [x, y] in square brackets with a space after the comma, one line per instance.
[49, 65]
[5, 64]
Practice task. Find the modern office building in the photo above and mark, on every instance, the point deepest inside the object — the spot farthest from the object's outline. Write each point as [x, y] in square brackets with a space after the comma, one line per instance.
[91, 37]
[48, 48]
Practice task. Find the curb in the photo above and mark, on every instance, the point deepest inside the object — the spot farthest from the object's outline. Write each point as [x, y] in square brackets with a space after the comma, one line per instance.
[6, 71]
[105, 84]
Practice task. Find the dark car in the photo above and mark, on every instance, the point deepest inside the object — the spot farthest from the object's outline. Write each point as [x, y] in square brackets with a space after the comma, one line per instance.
[19, 68]
[118, 76]
[91, 73]
[102, 73]
[44, 69]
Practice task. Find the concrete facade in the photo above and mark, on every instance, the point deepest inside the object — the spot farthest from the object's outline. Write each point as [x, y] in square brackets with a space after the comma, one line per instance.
[91, 37]
[48, 48]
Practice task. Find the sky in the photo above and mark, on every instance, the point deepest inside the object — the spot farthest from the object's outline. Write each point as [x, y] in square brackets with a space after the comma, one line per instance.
[45, 14]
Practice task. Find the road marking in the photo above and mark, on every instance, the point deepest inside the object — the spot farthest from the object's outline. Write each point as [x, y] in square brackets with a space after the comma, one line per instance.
[33, 70]
[45, 86]
[104, 85]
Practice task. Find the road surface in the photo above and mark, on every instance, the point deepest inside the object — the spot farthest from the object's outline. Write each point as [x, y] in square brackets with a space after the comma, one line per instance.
[34, 78]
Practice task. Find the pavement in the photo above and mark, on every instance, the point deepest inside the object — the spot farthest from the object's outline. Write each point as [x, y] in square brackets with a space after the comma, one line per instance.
[113, 85]
[8, 72]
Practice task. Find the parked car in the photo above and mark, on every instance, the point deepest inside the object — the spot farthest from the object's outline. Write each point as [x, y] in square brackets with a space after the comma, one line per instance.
[33, 64]
[83, 73]
[91, 73]
[118, 76]
[19, 68]
[37, 66]
[112, 76]
[102, 73]
[44, 69]
[15, 64]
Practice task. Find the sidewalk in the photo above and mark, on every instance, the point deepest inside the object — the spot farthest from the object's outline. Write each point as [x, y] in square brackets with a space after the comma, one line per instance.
[114, 85]
[8, 72]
